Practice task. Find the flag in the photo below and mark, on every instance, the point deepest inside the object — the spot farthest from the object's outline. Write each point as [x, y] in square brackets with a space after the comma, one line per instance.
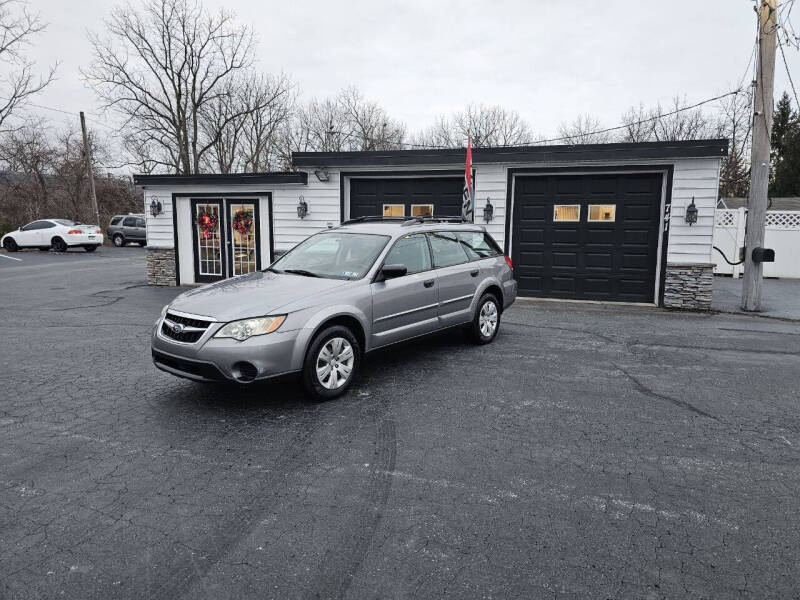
[469, 188]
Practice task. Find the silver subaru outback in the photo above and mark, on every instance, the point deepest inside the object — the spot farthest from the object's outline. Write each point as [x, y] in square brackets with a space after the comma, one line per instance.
[337, 295]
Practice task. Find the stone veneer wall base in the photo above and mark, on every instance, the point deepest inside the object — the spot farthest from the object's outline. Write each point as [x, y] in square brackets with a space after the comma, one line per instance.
[160, 266]
[688, 286]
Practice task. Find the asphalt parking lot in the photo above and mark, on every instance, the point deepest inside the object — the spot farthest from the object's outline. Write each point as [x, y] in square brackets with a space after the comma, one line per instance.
[591, 452]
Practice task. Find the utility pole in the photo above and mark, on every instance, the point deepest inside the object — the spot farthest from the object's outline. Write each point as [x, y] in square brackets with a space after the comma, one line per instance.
[760, 153]
[87, 153]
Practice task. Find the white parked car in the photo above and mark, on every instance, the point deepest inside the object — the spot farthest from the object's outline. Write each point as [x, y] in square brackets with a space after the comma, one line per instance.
[58, 234]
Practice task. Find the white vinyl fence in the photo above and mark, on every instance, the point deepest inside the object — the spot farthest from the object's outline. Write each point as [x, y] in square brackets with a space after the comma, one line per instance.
[782, 235]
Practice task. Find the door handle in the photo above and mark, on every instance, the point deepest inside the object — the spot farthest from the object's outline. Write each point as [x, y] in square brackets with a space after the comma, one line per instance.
[428, 283]
[475, 272]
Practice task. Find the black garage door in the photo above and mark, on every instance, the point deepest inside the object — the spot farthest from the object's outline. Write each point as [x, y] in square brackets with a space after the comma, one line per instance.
[370, 197]
[588, 237]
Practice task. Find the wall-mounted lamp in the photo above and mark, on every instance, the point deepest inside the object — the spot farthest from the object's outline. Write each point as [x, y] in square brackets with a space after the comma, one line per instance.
[488, 211]
[322, 174]
[302, 208]
[155, 207]
[691, 213]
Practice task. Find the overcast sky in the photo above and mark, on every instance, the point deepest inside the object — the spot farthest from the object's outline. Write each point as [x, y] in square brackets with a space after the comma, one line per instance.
[549, 60]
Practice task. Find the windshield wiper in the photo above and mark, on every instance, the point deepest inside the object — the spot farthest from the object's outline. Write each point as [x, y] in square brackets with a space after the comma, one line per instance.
[273, 270]
[301, 272]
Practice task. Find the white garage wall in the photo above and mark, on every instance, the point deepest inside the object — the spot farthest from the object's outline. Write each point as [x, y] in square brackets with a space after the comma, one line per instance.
[691, 177]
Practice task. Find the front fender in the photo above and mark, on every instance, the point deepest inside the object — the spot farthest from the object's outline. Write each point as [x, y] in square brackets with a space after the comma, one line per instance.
[316, 320]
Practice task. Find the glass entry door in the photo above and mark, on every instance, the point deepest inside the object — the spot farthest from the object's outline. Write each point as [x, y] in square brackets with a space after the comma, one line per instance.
[244, 252]
[208, 230]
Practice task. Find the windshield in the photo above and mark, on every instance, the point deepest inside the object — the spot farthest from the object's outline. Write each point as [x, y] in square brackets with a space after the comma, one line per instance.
[333, 255]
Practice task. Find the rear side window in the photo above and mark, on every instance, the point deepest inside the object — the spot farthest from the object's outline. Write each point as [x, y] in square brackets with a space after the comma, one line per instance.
[447, 249]
[129, 222]
[478, 244]
[411, 251]
[140, 223]
[116, 220]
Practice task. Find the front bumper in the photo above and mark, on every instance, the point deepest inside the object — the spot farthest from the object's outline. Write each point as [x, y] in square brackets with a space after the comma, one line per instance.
[84, 239]
[221, 359]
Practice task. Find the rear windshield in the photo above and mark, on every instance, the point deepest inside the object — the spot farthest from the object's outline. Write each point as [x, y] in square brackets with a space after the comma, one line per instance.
[65, 222]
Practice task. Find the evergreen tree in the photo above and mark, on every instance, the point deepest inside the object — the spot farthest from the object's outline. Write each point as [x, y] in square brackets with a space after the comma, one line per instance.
[785, 150]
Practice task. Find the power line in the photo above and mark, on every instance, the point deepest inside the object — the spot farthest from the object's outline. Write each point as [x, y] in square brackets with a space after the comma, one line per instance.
[788, 74]
[72, 114]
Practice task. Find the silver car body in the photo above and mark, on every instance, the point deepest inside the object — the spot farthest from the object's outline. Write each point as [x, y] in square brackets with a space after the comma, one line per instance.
[381, 313]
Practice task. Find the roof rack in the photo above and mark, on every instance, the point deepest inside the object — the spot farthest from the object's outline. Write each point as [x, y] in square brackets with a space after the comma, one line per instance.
[434, 219]
[373, 218]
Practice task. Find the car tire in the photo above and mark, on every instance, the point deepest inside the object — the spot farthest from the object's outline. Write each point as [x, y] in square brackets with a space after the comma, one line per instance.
[58, 245]
[337, 349]
[486, 322]
[10, 245]
[119, 240]
[90, 248]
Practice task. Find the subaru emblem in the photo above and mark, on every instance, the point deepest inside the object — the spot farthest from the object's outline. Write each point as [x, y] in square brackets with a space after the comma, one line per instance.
[176, 327]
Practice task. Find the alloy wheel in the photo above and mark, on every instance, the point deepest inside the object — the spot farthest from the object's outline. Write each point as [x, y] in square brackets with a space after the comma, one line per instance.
[487, 320]
[335, 363]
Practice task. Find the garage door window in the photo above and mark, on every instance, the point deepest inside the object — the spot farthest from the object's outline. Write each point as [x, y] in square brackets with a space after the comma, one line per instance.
[447, 249]
[567, 212]
[602, 212]
[422, 210]
[394, 210]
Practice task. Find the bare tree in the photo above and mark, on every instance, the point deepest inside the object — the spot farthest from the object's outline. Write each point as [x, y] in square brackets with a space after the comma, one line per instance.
[161, 66]
[17, 28]
[638, 124]
[682, 123]
[734, 121]
[585, 129]
[485, 125]
[345, 122]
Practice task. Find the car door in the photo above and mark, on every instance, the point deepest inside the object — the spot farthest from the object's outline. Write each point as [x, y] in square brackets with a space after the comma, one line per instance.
[458, 278]
[141, 234]
[404, 307]
[129, 229]
[27, 235]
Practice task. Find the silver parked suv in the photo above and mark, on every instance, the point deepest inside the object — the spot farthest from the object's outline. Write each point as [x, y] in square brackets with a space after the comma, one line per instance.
[340, 293]
[127, 228]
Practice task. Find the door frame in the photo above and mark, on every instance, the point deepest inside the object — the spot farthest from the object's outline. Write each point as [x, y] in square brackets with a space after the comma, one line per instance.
[205, 278]
[665, 169]
[229, 231]
[259, 195]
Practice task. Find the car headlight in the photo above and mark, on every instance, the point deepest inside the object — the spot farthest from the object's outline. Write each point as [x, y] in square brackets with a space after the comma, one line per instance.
[164, 311]
[246, 328]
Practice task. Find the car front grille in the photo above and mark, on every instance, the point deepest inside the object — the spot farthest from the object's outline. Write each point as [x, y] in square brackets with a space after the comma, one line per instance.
[183, 329]
[199, 369]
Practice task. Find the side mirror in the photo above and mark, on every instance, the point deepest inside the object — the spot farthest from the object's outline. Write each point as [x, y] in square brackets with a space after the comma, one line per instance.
[392, 271]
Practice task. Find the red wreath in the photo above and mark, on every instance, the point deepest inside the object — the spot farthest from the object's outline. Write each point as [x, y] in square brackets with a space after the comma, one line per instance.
[243, 221]
[207, 222]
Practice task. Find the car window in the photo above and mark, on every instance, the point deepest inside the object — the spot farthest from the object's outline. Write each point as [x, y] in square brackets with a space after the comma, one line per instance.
[129, 222]
[140, 223]
[38, 225]
[333, 255]
[115, 220]
[66, 222]
[447, 249]
[411, 251]
[478, 244]
[28, 227]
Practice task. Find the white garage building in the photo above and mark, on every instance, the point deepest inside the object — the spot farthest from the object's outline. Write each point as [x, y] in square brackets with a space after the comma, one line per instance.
[600, 222]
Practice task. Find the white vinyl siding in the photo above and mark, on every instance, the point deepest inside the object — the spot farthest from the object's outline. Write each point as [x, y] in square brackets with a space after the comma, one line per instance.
[691, 177]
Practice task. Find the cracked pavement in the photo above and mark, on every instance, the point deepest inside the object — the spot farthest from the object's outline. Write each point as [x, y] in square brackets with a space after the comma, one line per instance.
[590, 452]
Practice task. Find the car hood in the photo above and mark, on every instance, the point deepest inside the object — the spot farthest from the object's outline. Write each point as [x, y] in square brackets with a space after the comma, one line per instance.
[253, 295]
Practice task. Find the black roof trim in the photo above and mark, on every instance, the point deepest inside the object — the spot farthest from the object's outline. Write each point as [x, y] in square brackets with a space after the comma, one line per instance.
[518, 154]
[219, 178]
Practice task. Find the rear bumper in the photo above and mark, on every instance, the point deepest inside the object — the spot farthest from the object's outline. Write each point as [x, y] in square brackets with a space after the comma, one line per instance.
[94, 239]
[509, 292]
[214, 359]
